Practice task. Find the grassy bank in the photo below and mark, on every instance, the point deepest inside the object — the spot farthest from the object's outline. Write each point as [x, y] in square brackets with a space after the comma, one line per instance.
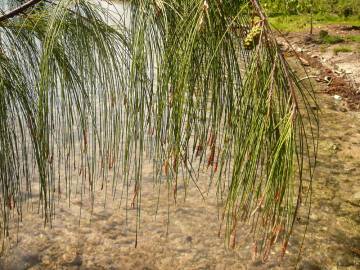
[301, 23]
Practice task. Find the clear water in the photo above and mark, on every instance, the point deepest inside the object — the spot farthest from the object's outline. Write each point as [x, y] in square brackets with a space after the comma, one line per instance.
[190, 241]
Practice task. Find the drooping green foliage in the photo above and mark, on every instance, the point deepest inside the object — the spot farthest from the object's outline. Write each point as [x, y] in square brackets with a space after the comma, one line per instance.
[168, 82]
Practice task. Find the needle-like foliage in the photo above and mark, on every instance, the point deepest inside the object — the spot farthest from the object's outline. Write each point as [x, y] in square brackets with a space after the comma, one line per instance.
[188, 85]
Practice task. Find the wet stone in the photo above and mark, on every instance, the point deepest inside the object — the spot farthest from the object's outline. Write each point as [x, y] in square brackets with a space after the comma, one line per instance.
[308, 265]
[189, 239]
[31, 258]
[349, 171]
[356, 196]
[302, 220]
[315, 108]
[314, 217]
[346, 261]
[257, 263]
[25, 261]
[343, 109]
[77, 261]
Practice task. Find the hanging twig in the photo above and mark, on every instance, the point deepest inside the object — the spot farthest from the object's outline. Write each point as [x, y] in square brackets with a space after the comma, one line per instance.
[19, 10]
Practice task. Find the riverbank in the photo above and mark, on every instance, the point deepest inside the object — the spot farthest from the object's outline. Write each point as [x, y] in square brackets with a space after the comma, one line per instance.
[334, 52]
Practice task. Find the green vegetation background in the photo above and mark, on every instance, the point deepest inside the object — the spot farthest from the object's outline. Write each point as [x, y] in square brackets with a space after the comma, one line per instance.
[294, 15]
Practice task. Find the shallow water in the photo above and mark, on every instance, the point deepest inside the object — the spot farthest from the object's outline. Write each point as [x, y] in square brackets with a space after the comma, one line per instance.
[189, 239]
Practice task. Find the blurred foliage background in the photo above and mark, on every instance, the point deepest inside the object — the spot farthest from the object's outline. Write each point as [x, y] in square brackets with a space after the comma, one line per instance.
[343, 8]
[296, 15]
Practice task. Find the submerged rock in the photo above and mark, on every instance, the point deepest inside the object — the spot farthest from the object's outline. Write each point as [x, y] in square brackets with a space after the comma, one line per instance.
[308, 265]
[346, 261]
[356, 196]
[20, 261]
